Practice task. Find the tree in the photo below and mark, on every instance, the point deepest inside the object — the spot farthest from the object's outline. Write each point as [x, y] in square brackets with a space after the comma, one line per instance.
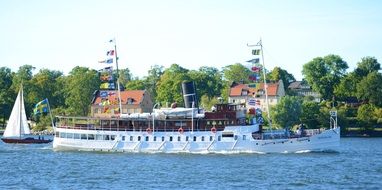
[310, 112]
[208, 81]
[370, 88]
[323, 74]
[365, 115]
[135, 84]
[151, 81]
[366, 66]
[206, 102]
[23, 76]
[280, 74]
[348, 84]
[6, 94]
[124, 76]
[44, 85]
[236, 73]
[170, 85]
[287, 112]
[80, 86]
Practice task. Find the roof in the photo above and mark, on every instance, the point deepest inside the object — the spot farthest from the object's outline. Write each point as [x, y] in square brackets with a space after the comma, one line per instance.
[272, 88]
[237, 89]
[295, 85]
[135, 96]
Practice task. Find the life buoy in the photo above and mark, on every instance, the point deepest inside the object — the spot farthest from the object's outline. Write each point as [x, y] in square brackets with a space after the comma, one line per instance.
[213, 130]
[149, 130]
[180, 130]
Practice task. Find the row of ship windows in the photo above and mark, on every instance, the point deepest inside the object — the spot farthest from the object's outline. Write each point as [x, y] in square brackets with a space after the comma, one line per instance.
[138, 138]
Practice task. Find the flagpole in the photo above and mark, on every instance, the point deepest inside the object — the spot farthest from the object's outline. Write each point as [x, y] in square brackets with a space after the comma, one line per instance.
[118, 86]
[50, 113]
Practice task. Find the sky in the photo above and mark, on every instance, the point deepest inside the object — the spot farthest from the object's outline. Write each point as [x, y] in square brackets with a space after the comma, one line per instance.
[59, 35]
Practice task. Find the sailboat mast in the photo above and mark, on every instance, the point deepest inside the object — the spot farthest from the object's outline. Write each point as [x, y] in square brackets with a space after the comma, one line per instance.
[118, 85]
[20, 110]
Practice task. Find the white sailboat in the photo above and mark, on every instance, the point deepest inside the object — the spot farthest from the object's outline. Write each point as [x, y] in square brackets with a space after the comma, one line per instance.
[17, 130]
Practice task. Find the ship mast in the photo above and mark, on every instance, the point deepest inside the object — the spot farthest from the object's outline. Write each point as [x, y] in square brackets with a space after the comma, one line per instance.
[260, 44]
[118, 85]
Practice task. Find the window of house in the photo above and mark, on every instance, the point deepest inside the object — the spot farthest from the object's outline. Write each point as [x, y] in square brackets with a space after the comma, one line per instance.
[194, 138]
[219, 138]
[139, 138]
[211, 138]
[178, 138]
[162, 138]
[186, 138]
[123, 138]
[170, 138]
[244, 137]
[155, 138]
[131, 138]
[147, 138]
[202, 138]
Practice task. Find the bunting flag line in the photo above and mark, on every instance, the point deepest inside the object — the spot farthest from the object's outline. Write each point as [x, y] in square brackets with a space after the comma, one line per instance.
[103, 94]
[106, 61]
[256, 52]
[107, 85]
[41, 107]
[255, 69]
[110, 53]
[254, 61]
[109, 60]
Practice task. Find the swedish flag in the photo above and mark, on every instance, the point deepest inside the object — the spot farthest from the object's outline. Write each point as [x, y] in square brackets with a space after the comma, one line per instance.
[41, 107]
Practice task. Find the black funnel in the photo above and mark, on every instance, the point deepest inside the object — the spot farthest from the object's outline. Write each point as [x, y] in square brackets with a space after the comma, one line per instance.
[189, 94]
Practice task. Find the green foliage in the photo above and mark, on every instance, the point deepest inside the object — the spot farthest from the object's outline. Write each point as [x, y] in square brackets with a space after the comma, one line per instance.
[206, 103]
[348, 85]
[366, 116]
[6, 94]
[280, 74]
[43, 85]
[124, 76]
[323, 74]
[170, 85]
[79, 89]
[370, 88]
[151, 81]
[43, 123]
[287, 112]
[310, 112]
[208, 81]
[236, 73]
[135, 85]
[366, 66]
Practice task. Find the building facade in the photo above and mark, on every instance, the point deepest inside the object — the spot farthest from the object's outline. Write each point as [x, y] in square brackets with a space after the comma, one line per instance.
[255, 96]
[133, 101]
[302, 88]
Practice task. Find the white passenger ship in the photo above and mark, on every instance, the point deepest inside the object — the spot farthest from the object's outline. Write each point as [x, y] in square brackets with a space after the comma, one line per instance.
[184, 130]
[224, 130]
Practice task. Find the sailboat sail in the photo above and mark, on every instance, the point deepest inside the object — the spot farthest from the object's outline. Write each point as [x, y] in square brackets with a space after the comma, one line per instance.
[17, 125]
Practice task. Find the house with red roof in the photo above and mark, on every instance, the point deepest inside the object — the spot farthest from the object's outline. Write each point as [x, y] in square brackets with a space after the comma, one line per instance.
[255, 95]
[106, 104]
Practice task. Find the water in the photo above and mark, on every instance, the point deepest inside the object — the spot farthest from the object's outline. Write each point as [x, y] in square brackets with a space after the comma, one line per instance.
[357, 165]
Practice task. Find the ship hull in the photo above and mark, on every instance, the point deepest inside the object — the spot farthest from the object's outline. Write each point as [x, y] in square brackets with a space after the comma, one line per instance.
[25, 141]
[190, 142]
